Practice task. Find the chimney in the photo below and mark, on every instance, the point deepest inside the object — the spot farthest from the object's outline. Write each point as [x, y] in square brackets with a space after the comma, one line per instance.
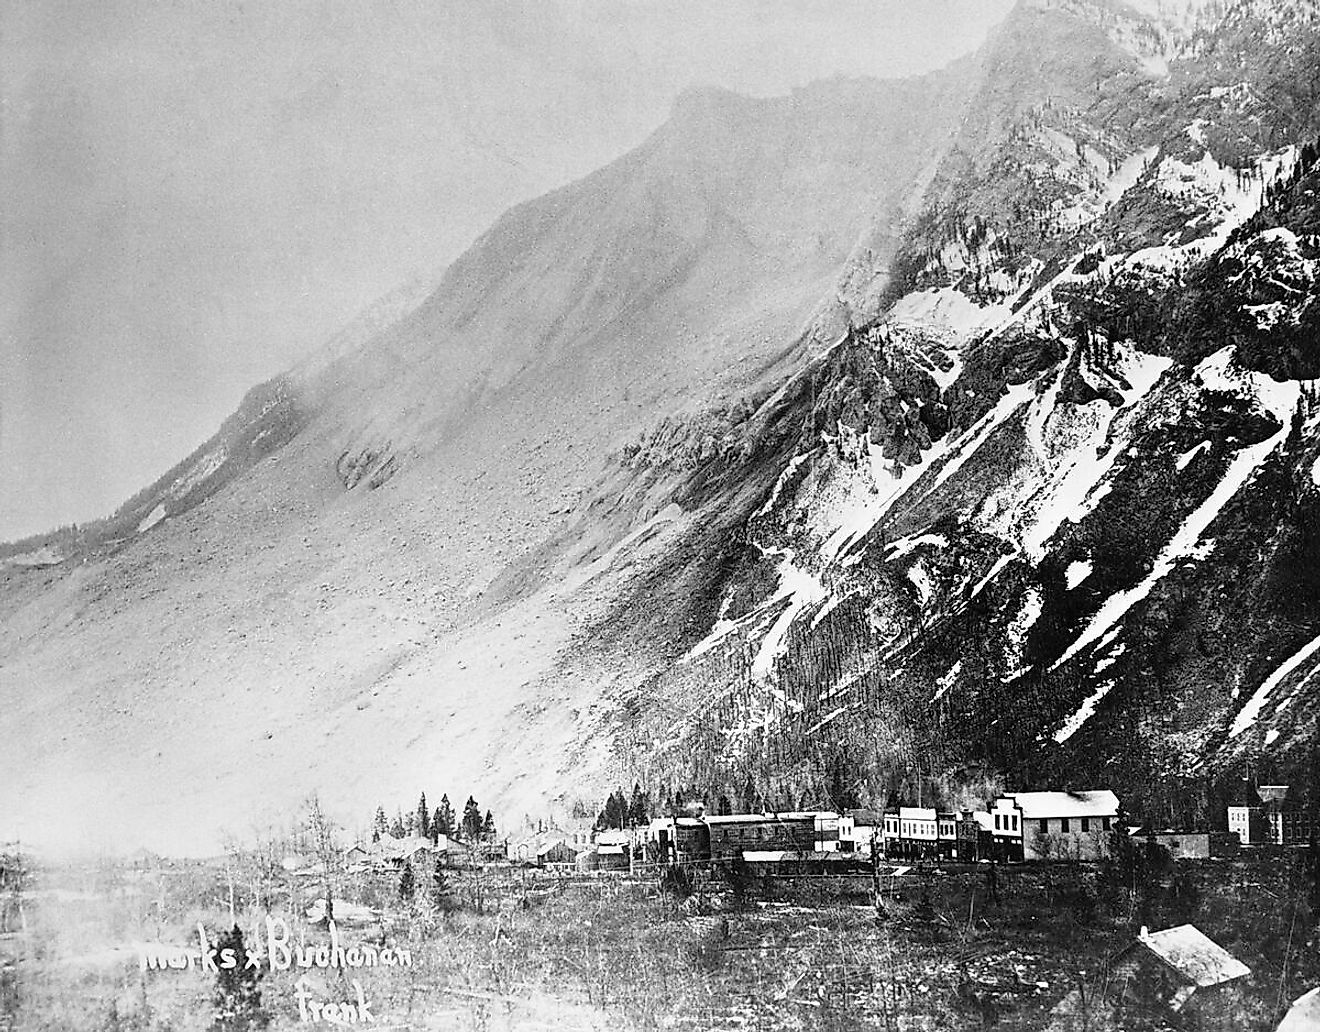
[1144, 934]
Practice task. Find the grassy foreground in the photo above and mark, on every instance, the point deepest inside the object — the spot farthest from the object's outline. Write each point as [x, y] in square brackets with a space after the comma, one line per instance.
[513, 949]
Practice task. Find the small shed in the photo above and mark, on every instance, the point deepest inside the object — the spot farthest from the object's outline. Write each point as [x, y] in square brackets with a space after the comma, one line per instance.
[1198, 845]
[1176, 970]
[556, 851]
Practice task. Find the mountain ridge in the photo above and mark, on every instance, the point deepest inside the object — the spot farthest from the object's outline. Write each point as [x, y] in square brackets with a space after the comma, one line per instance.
[926, 460]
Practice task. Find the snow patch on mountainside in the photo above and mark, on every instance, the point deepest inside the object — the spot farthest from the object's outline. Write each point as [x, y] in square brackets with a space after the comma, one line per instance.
[151, 519]
[207, 465]
[802, 589]
[1078, 570]
[1185, 459]
[1249, 713]
[871, 492]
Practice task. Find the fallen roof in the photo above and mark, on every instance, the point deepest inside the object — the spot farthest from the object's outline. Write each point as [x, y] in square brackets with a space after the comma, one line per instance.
[1194, 955]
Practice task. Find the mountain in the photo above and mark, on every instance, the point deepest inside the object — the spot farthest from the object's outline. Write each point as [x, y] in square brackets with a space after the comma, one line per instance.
[940, 431]
[1049, 519]
[362, 547]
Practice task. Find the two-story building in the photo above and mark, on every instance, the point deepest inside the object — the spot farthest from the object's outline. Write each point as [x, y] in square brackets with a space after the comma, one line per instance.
[1054, 825]
[860, 830]
[732, 834]
[677, 840]
[911, 832]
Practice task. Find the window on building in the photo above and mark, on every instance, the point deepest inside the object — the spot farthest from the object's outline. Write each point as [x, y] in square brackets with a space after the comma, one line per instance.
[1104, 823]
[1063, 823]
[1086, 824]
[1044, 826]
[996, 822]
[1015, 822]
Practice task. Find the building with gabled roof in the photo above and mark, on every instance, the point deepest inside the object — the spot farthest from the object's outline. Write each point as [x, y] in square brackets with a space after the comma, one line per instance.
[1176, 970]
[1054, 825]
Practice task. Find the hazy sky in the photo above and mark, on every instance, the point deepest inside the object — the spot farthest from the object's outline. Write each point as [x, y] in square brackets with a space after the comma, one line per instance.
[196, 192]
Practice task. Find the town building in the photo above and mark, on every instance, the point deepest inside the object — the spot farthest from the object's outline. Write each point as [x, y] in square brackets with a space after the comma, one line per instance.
[1248, 823]
[1054, 825]
[975, 836]
[732, 834]
[860, 831]
[1277, 821]
[1178, 971]
[1198, 845]
[557, 852]
[672, 840]
[911, 832]
[614, 850]
[946, 835]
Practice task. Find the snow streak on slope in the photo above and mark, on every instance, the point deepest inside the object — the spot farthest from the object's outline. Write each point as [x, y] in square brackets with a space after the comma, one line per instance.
[1247, 715]
[802, 590]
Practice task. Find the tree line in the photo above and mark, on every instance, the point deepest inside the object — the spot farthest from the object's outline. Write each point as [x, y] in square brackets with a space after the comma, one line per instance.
[471, 826]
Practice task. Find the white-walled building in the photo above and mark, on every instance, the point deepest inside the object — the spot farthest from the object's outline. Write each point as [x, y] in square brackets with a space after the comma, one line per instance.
[858, 829]
[1054, 825]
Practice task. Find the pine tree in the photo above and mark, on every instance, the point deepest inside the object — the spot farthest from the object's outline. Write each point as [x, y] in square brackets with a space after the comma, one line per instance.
[637, 808]
[444, 817]
[237, 998]
[435, 825]
[380, 825]
[439, 887]
[748, 800]
[471, 820]
[423, 818]
[396, 829]
[407, 883]
[488, 827]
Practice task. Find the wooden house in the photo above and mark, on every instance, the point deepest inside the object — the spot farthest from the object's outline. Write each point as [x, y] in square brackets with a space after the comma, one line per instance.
[677, 840]
[1198, 845]
[556, 852]
[1178, 971]
[732, 834]
[614, 850]
[974, 835]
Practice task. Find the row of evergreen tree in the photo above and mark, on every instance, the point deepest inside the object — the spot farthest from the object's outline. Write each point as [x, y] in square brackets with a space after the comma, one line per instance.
[472, 826]
[622, 811]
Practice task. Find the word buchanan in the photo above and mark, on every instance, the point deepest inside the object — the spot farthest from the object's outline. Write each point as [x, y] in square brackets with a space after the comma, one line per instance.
[280, 955]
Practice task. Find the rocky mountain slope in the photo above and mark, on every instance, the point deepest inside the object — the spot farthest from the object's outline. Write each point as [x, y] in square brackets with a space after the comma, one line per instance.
[360, 548]
[948, 430]
[1050, 518]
